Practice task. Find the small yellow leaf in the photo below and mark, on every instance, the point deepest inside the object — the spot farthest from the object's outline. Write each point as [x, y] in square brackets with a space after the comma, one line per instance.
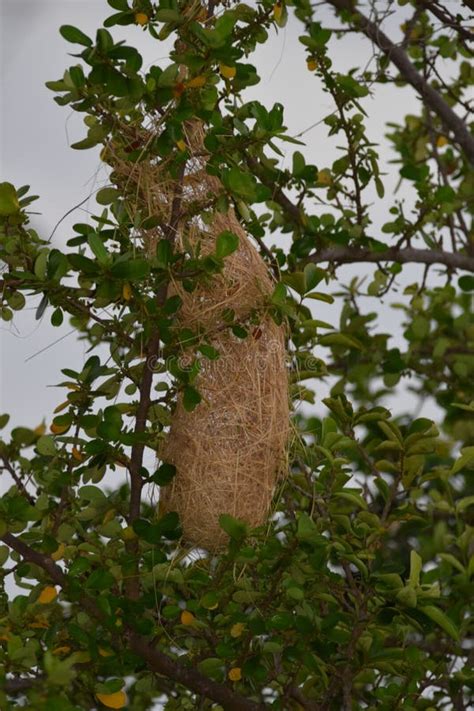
[59, 429]
[105, 652]
[127, 291]
[128, 534]
[324, 177]
[237, 629]
[196, 82]
[47, 595]
[82, 657]
[59, 552]
[441, 141]
[181, 145]
[235, 674]
[312, 64]
[40, 430]
[40, 623]
[62, 650]
[227, 72]
[113, 701]
[108, 516]
[277, 11]
[5, 635]
[202, 15]
[77, 454]
[62, 406]
[187, 618]
[141, 19]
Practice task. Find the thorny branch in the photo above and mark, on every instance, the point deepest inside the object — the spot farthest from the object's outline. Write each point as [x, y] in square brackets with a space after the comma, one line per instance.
[434, 100]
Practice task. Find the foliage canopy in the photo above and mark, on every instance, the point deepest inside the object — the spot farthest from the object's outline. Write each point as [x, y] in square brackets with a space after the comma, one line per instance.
[357, 593]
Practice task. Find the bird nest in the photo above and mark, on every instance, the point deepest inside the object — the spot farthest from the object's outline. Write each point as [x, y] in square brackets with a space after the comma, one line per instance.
[231, 449]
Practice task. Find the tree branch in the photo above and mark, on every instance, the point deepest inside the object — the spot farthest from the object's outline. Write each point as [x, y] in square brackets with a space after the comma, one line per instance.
[19, 483]
[157, 661]
[448, 20]
[451, 121]
[132, 585]
[352, 255]
[277, 193]
[18, 685]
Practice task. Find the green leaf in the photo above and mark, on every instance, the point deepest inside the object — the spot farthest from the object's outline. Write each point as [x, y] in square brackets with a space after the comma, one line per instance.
[243, 184]
[416, 565]
[133, 269]
[441, 619]
[234, 528]
[352, 498]
[379, 186]
[98, 248]
[93, 494]
[4, 419]
[466, 282]
[279, 294]
[319, 296]
[72, 34]
[209, 601]
[464, 503]
[226, 243]
[57, 317]
[79, 566]
[41, 263]
[46, 446]
[312, 276]
[169, 76]
[168, 16]
[100, 580]
[191, 398]
[307, 531]
[209, 351]
[407, 596]
[298, 164]
[466, 458]
[164, 474]
[454, 562]
[4, 553]
[212, 667]
[169, 526]
[295, 281]
[106, 196]
[9, 204]
[340, 339]
[85, 143]
[164, 253]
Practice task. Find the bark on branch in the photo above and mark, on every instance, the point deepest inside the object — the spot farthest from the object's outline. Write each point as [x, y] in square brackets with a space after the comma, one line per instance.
[451, 121]
[352, 255]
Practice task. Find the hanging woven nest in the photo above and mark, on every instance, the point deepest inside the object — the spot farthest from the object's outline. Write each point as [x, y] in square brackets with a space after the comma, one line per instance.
[231, 449]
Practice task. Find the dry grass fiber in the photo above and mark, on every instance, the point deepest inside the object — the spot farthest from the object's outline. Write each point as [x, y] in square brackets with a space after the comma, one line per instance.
[230, 451]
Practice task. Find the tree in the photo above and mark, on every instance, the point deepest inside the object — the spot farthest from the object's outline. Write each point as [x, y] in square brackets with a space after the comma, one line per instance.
[357, 594]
